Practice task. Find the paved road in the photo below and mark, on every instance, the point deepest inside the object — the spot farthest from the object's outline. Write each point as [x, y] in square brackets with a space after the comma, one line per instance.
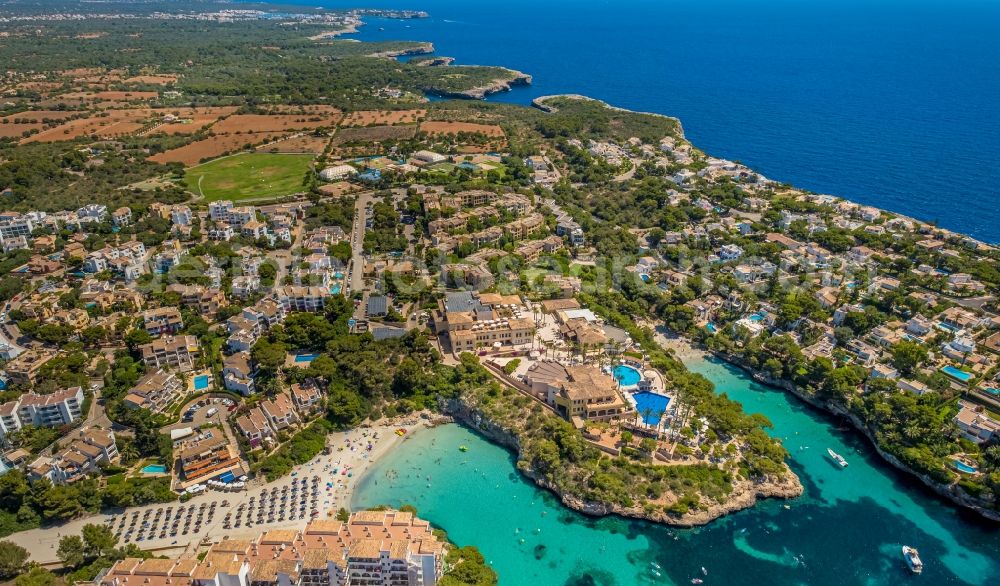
[356, 274]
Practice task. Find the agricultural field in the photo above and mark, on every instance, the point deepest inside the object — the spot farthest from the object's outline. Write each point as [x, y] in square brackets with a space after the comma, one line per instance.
[436, 127]
[275, 122]
[15, 130]
[306, 143]
[383, 117]
[191, 120]
[214, 146]
[111, 96]
[474, 138]
[115, 124]
[318, 109]
[249, 176]
[373, 134]
[39, 116]
[163, 79]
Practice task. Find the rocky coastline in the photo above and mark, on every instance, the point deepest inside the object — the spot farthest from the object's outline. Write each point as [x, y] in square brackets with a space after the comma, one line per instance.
[515, 79]
[432, 61]
[948, 491]
[745, 493]
[422, 48]
[541, 103]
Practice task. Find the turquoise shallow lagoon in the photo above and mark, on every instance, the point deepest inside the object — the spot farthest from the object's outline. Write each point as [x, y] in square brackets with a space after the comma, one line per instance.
[846, 529]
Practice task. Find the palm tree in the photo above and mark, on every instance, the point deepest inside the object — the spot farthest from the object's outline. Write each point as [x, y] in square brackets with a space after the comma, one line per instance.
[128, 452]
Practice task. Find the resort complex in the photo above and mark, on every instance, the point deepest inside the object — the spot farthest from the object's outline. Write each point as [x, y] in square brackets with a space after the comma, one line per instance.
[228, 293]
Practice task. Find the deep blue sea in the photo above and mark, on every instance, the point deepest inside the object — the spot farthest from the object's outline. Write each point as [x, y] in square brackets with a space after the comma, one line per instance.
[891, 103]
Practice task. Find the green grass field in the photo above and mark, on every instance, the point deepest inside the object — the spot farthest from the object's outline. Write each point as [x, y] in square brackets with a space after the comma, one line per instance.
[248, 176]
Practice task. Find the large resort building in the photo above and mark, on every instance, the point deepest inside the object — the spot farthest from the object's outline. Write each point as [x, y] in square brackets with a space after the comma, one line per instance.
[472, 320]
[578, 393]
[373, 548]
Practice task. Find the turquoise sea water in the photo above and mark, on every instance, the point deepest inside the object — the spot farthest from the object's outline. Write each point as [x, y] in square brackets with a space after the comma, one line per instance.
[847, 529]
[888, 102]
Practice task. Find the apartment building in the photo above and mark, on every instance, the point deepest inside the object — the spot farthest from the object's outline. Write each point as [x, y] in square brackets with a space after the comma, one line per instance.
[24, 369]
[88, 448]
[205, 300]
[280, 411]
[162, 320]
[206, 457]
[373, 548]
[297, 298]
[52, 410]
[254, 427]
[155, 391]
[122, 217]
[171, 352]
[238, 373]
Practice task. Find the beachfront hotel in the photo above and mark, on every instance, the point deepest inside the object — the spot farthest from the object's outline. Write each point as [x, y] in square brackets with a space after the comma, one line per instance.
[473, 320]
[373, 548]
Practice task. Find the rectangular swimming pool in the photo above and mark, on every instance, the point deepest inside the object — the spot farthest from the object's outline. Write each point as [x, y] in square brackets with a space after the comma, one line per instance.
[957, 374]
[201, 382]
[154, 469]
[305, 357]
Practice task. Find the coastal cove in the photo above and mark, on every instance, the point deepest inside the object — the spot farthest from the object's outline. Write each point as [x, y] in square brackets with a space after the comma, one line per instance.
[845, 529]
[827, 96]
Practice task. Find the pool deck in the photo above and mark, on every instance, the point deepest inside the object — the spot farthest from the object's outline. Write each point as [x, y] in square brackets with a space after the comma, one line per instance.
[194, 375]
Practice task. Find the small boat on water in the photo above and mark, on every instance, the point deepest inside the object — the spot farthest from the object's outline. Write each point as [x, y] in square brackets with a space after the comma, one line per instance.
[656, 565]
[463, 448]
[912, 558]
[837, 458]
[696, 580]
[704, 572]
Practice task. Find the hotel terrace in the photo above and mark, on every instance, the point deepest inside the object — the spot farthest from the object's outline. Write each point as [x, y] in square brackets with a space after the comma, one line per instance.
[373, 548]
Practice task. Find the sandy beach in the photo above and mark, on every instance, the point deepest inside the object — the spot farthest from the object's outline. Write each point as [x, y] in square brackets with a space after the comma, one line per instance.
[348, 454]
[682, 348]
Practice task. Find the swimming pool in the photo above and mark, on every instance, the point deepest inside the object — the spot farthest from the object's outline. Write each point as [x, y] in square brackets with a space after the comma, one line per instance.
[759, 316]
[201, 382]
[963, 467]
[154, 469]
[338, 275]
[990, 390]
[955, 373]
[335, 290]
[651, 406]
[626, 375]
[711, 328]
[306, 357]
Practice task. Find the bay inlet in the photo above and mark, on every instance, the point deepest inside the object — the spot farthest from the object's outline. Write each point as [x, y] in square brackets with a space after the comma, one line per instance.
[847, 528]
